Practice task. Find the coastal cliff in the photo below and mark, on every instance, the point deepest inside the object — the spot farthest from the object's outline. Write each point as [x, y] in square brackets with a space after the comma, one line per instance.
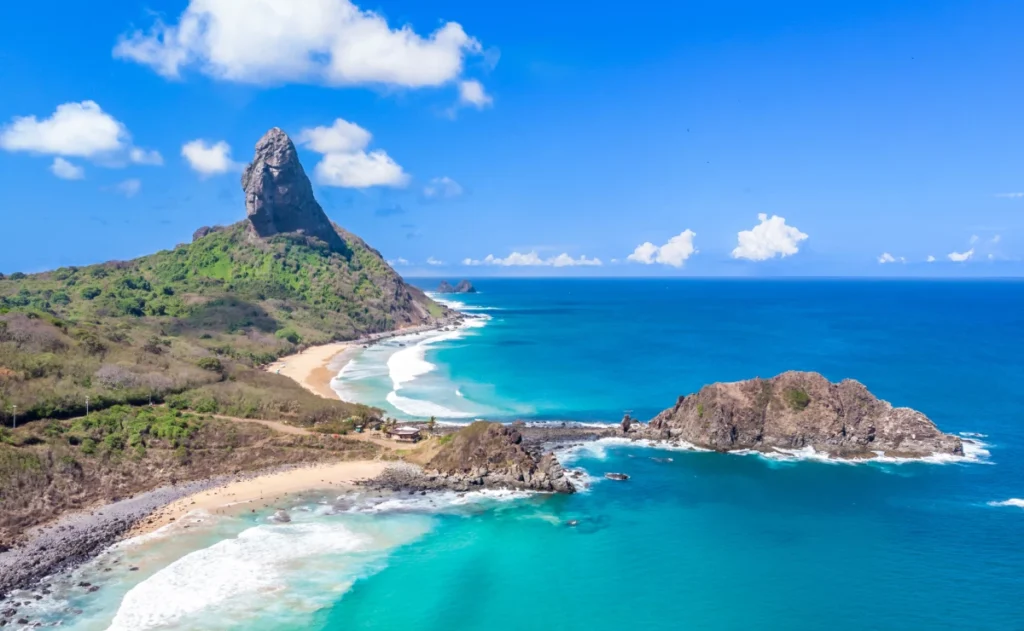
[480, 456]
[464, 287]
[796, 410]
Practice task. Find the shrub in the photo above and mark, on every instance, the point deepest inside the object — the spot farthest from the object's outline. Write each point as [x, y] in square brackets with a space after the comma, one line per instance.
[289, 334]
[210, 363]
[90, 292]
[17, 276]
[797, 398]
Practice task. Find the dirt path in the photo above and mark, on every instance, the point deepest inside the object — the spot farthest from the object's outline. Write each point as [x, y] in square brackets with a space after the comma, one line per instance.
[279, 426]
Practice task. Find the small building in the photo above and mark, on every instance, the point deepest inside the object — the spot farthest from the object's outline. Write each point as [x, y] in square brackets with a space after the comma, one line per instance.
[404, 434]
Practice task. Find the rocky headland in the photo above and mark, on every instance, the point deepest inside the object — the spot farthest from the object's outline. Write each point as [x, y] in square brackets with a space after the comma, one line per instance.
[483, 455]
[464, 287]
[797, 410]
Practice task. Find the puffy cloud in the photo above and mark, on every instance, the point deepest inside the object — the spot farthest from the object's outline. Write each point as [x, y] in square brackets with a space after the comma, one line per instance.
[66, 170]
[143, 156]
[960, 257]
[346, 162]
[432, 261]
[675, 253]
[326, 42]
[209, 159]
[442, 188]
[471, 92]
[76, 130]
[129, 188]
[770, 238]
[360, 170]
[532, 259]
[930, 259]
[889, 258]
[81, 130]
[341, 137]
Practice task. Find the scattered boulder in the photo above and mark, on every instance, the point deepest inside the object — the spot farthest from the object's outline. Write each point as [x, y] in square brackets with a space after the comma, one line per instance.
[281, 516]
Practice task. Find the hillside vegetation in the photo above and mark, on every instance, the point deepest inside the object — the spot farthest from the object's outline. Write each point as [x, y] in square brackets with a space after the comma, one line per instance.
[193, 321]
[54, 466]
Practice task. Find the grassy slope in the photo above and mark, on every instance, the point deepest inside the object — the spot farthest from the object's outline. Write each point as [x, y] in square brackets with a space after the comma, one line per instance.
[54, 466]
[193, 322]
[188, 327]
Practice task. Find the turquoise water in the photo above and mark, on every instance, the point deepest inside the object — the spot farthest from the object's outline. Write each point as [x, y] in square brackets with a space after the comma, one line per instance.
[701, 541]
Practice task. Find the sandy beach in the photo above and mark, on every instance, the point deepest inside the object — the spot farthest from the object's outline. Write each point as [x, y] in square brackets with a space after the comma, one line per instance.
[262, 491]
[315, 367]
[310, 367]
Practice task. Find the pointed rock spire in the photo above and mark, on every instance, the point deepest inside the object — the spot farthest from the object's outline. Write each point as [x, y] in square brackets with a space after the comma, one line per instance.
[278, 195]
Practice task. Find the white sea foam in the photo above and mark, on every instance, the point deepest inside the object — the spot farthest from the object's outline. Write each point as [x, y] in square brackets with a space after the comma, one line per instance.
[227, 581]
[975, 452]
[439, 502]
[1013, 501]
[410, 363]
[973, 435]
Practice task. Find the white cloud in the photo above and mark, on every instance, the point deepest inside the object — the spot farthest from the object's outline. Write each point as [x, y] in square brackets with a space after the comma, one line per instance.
[675, 253]
[770, 238]
[442, 188]
[997, 238]
[360, 170]
[889, 258]
[960, 257]
[341, 137]
[65, 170]
[129, 188]
[432, 261]
[974, 239]
[471, 92]
[1010, 195]
[532, 259]
[398, 261]
[930, 259]
[327, 42]
[80, 130]
[346, 163]
[209, 159]
[76, 130]
[143, 156]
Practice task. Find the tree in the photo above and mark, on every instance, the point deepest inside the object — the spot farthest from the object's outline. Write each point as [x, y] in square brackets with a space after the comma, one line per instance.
[431, 423]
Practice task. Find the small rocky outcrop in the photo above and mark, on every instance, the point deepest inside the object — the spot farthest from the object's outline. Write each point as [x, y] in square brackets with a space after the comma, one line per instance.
[796, 410]
[464, 287]
[205, 230]
[278, 196]
[480, 456]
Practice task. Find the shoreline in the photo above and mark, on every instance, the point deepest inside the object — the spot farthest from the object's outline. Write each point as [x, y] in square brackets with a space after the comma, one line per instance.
[262, 490]
[311, 368]
[74, 538]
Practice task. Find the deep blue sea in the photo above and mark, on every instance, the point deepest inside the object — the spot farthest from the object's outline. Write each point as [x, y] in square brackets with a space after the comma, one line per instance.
[692, 540]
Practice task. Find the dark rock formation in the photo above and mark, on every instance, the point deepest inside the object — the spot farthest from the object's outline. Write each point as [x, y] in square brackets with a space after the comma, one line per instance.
[464, 287]
[483, 455]
[205, 230]
[278, 196]
[795, 410]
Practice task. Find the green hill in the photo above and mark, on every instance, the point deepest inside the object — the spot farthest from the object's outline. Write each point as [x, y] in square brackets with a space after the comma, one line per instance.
[191, 325]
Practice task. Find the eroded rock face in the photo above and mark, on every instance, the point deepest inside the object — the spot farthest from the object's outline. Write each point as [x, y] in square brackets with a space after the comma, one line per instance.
[795, 410]
[483, 455]
[278, 196]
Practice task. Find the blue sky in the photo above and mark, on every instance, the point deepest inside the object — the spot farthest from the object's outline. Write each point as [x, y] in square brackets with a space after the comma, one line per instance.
[546, 136]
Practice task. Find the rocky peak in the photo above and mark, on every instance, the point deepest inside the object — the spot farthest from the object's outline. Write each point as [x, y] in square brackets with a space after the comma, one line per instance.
[278, 196]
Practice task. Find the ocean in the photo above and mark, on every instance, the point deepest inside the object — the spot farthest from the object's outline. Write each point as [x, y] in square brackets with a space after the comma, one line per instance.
[693, 540]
